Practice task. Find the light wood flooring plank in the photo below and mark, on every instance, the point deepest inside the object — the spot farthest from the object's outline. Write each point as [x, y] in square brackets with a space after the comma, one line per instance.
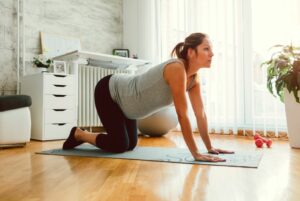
[25, 175]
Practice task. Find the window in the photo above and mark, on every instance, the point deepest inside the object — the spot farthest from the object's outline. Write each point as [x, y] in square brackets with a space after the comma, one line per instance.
[272, 23]
[234, 89]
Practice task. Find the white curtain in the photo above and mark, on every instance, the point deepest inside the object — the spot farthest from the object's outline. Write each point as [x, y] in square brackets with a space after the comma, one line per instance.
[142, 29]
[234, 88]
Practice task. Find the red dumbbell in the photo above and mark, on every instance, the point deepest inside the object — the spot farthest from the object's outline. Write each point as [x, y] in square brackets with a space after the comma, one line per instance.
[257, 137]
[259, 143]
[269, 143]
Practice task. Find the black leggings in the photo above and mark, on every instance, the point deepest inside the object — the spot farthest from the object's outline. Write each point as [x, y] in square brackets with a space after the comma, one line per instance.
[121, 131]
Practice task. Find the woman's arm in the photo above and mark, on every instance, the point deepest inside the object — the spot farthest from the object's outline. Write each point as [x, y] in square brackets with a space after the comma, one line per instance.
[197, 104]
[198, 108]
[175, 76]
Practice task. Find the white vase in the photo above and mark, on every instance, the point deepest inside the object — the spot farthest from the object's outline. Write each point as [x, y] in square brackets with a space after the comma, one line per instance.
[292, 110]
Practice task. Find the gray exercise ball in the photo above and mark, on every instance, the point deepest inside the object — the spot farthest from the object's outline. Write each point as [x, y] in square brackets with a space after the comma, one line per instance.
[159, 123]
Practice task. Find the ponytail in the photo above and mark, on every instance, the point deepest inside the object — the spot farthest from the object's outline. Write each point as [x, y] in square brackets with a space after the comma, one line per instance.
[177, 51]
[192, 41]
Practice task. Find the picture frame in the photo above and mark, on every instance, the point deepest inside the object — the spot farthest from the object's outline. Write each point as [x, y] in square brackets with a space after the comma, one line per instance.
[60, 67]
[121, 52]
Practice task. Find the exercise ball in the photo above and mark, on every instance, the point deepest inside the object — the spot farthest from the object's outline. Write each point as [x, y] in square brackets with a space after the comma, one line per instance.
[158, 123]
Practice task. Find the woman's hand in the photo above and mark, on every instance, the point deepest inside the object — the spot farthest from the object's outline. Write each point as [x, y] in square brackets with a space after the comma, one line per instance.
[208, 158]
[219, 151]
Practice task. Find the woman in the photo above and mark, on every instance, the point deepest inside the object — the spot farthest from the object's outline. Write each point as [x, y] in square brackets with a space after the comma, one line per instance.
[121, 99]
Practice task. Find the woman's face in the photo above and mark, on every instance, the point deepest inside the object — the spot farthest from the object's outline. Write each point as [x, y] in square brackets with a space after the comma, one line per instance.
[204, 54]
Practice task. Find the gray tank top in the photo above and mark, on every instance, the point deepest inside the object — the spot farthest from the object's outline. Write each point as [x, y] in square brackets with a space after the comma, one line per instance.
[141, 95]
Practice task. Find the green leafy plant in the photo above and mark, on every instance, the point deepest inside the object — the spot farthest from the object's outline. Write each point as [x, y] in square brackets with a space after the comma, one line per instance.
[283, 70]
[41, 61]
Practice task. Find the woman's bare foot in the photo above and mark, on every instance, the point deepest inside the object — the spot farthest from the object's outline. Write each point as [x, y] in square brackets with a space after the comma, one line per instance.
[77, 133]
[80, 134]
[85, 136]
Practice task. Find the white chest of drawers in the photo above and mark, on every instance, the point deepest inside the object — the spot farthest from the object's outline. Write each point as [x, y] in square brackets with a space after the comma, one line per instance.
[53, 110]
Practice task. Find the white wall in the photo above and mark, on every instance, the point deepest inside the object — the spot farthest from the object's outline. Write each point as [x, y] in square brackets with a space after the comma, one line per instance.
[130, 26]
[98, 24]
[139, 28]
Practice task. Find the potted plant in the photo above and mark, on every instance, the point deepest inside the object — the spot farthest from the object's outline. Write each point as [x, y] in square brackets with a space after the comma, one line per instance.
[40, 61]
[283, 80]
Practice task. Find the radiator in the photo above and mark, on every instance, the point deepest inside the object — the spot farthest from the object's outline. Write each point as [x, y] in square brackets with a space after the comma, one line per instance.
[88, 77]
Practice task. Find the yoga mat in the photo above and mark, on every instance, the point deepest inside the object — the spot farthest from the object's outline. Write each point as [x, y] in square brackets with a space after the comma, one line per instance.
[247, 159]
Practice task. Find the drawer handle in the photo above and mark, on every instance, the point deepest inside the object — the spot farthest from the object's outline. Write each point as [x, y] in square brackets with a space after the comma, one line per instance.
[59, 95]
[60, 75]
[60, 85]
[59, 110]
[60, 124]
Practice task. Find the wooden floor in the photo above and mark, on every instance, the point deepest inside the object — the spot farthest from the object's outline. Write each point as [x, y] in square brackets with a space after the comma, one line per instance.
[25, 175]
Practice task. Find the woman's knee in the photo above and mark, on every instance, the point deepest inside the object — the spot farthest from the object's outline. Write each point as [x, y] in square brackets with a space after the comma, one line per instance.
[119, 150]
[132, 144]
[119, 147]
[112, 145]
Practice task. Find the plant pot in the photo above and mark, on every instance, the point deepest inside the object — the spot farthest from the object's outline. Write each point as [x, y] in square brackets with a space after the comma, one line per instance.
[292, 110]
